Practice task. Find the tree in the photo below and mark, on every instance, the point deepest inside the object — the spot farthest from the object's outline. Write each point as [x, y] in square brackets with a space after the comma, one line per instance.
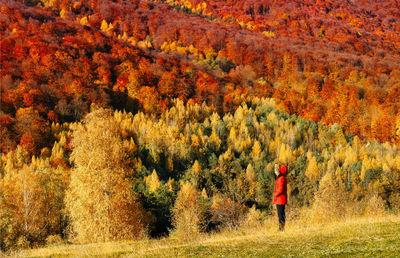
[187, 211]
[195, 173]
[256, 153]
[214, 142]
[32, 129]
[31, 200]
[101, 205]
[22, 202]
[152, 181]
[168, 84]
[285, 154]
[251, 176]
[312, 172]
[149, 98]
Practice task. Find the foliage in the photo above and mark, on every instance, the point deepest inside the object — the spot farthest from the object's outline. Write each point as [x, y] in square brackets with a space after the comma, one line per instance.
[183, 79]
[99, 200]
[186, 212]
[138, 56]
[225, 162]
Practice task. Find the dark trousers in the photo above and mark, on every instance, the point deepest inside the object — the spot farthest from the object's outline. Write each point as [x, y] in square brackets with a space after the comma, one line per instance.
[281, 216]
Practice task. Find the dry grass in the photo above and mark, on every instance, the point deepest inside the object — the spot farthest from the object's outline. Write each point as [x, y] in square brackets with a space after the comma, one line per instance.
[372, 236]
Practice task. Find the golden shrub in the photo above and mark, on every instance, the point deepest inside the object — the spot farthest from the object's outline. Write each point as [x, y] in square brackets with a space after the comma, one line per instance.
[375, 206]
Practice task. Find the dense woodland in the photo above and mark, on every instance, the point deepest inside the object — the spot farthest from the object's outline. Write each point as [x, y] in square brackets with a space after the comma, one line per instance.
[134, 55]
[116, 175]
[122, 119]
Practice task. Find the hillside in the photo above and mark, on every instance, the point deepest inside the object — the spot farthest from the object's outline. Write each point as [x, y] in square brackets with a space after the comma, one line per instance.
[361, 237]
[144, 119]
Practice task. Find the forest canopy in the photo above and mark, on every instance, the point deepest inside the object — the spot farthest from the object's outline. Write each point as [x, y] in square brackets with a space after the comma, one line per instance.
[125, 119]
[217, 167]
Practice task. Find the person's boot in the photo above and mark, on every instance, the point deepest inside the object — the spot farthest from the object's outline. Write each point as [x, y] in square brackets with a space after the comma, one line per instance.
[281, 227]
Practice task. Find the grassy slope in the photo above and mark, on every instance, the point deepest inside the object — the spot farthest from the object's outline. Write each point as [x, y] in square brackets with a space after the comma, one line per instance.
[356, 237]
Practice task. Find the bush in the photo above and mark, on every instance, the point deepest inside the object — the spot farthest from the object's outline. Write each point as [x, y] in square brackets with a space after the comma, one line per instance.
[54, 239]
[22, 243]
[253, 218]
[375, 206]
[394, 200]
[226, 213]
[329, 202]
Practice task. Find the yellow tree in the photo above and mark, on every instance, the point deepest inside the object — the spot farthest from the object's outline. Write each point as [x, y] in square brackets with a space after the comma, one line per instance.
[341, 139]
[101, 205]
[214, 141]
[256, 152]
[232, 138]
[251, 176]
[204, 194]
[244, 138]
[195, 173]
[31, 200]
[285, 154]
[312, 172]
[196, 167]
[23, 206]
[152, 181]
[187, 211]
[356, 146]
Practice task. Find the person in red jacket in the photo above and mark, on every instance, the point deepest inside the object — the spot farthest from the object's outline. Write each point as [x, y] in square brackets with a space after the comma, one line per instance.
[280, 194]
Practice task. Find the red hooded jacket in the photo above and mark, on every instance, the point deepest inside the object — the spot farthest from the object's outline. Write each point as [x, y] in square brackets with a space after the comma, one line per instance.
[280, 190]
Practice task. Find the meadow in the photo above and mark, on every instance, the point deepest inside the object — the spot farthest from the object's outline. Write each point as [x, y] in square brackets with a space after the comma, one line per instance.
[362, 236]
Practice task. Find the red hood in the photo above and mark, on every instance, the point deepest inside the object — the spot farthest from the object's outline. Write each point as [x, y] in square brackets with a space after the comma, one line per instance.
[283, 169]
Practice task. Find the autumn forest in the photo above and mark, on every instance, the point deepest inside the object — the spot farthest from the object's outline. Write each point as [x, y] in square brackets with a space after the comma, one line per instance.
[132, 119]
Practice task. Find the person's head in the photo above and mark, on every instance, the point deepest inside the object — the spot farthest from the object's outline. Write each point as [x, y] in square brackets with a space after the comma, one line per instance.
[283, 169]
[280, 169]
